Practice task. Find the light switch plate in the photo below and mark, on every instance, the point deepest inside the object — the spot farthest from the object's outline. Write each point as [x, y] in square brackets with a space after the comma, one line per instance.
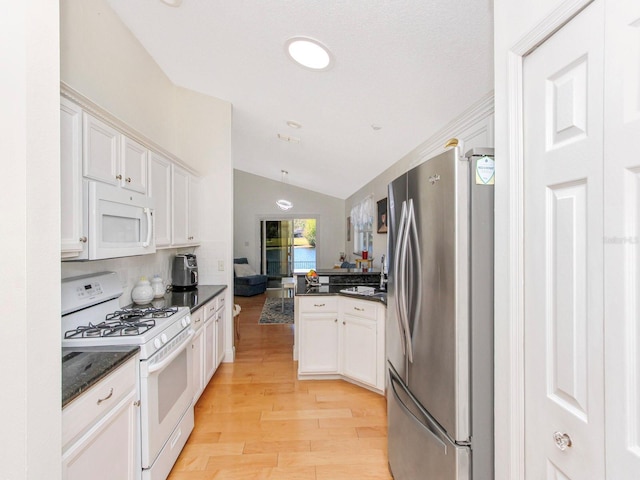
[221, 265]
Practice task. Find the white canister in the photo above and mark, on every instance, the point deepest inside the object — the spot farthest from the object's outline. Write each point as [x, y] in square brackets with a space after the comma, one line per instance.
[142, 293]
[158, 286]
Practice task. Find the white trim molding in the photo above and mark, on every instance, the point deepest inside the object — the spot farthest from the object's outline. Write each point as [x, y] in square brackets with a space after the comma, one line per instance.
[512, 371]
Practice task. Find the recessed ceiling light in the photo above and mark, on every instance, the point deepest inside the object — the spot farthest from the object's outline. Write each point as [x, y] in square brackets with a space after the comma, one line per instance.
[376, 127]
[309, 53]
[293, 124]
[172, 3]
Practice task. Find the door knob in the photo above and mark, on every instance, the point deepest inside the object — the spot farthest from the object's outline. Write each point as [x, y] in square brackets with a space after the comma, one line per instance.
[562, 440]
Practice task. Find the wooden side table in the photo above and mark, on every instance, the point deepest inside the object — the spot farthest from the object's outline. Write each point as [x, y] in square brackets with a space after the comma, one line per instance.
[361, 263]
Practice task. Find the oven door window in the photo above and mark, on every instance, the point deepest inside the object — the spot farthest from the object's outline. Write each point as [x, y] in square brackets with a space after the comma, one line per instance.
[172, 383]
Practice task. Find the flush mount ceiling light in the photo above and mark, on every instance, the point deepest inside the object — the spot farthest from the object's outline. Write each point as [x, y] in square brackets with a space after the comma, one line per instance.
[288, 138]
[293, 124]
[309, 53]
[172, 3]
[283, 204]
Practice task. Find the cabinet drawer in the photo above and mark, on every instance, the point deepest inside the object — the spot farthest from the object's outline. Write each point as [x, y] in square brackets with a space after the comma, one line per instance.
[210, 309]
[319, 304]
[360, 308]
[221, 302]
[197, 319]
[81, 414]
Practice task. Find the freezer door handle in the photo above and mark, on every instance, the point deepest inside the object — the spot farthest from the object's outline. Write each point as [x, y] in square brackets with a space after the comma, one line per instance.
[434, 430]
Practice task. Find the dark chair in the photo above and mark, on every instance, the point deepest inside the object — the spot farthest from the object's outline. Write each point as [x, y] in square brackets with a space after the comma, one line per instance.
[248, 286]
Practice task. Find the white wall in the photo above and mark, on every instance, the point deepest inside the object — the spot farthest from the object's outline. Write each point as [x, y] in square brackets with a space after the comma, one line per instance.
[30, 356]
[254, 198]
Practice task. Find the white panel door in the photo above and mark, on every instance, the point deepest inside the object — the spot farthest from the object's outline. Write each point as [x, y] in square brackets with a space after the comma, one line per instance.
[133, 165]
[563, 198]
[622, 238]
[160, 191]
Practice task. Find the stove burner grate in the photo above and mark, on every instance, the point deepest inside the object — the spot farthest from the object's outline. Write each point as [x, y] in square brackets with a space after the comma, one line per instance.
[134, 314]
[112, 328]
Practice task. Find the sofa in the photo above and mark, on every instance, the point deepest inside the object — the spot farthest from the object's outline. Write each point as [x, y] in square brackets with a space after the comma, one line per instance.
[246, 282]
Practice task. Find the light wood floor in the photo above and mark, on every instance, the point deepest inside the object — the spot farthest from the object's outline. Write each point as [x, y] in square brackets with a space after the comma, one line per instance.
[255, 420]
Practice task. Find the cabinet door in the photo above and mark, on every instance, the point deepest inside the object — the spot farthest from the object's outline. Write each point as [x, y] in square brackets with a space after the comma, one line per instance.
[72, 238]
[359, 349]
[197, 351]
[160, 191]
[133, 165]
[194, 209]
[101, 151]
[318, 343]
[109, 450]
[180, 206]
[209, 349]
[219, 336]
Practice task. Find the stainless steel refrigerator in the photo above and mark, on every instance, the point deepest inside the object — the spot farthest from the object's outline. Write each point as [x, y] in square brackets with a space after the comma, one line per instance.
[440, 319]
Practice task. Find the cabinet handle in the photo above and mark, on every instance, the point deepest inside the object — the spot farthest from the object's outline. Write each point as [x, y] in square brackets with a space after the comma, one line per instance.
[128, 180]
[136, 403]
[118, 177]
[83, 239]
[318, 304]
[198, 319]
[100, 400]
[358, 309]
[344, 323]
[336, 320]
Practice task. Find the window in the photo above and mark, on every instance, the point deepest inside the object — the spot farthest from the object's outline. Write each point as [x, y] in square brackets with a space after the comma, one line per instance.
[362, 219]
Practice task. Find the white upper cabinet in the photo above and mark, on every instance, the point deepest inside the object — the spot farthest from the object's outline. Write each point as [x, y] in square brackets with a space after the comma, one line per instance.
[71, 222]
[184, 192]
[101, 151]
[133, 165]
[111, 157]
[160, 191]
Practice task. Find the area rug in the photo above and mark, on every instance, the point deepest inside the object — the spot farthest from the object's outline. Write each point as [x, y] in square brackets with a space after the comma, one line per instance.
[272, 313]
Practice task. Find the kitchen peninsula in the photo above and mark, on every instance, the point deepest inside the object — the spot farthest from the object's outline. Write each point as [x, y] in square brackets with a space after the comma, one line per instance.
[339, 334]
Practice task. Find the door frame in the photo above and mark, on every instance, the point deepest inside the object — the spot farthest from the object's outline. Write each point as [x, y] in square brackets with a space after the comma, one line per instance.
[509, 334]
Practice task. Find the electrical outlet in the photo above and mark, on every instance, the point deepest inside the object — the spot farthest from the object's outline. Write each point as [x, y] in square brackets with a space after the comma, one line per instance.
[221, 265]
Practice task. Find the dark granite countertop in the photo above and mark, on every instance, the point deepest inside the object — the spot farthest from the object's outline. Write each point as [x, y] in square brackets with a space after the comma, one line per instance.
[379, 296]
[194, 299]
[83, 367]
[342, 279]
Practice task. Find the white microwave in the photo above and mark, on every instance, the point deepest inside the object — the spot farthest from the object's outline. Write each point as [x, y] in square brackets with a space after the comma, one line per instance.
[118, 222]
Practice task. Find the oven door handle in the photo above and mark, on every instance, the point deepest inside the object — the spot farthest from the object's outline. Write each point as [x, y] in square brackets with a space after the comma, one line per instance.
[166, 361]
[147, 212]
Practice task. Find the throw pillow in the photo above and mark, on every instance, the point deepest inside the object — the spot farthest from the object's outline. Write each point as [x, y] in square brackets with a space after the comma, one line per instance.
[243, 270]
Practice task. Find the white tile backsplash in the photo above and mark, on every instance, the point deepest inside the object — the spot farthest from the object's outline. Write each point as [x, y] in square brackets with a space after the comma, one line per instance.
[129, 269]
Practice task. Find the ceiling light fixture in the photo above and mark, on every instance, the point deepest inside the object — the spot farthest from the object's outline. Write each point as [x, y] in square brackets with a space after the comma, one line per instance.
[293, 124]
[283, 204]
[309, 53]
[172, 3]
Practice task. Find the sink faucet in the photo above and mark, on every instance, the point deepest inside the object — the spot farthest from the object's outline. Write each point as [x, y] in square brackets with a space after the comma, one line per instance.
[383, 276]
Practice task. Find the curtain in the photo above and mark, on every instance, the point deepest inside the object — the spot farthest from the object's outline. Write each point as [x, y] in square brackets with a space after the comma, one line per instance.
[362, 213]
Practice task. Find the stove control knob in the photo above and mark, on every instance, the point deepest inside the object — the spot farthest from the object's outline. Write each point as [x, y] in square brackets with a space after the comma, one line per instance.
[157, 343]
[185, 322]
[163, 337]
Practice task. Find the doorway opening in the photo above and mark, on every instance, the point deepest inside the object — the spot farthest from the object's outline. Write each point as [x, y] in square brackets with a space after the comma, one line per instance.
[287, 247]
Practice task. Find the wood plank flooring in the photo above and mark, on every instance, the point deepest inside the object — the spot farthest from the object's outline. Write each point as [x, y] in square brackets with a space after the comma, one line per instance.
[255, 420]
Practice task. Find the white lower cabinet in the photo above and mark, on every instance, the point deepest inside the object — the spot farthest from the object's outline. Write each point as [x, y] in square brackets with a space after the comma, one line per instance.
[197, 350]
[318, 322]
[208, 344]
[340, 336]
[100, 429]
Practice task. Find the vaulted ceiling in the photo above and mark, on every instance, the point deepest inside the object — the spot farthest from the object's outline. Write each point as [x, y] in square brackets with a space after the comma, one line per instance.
[402, 69]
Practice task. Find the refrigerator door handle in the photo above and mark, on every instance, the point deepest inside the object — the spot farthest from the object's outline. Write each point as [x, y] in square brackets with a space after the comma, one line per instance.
[398, 268]
[404, 296]
[416, 262]
[429, 426]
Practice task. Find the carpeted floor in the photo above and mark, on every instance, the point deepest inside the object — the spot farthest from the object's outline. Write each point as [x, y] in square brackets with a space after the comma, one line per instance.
[272, 313]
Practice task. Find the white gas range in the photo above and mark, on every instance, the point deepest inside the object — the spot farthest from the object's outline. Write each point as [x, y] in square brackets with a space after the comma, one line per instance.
[91, 316]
